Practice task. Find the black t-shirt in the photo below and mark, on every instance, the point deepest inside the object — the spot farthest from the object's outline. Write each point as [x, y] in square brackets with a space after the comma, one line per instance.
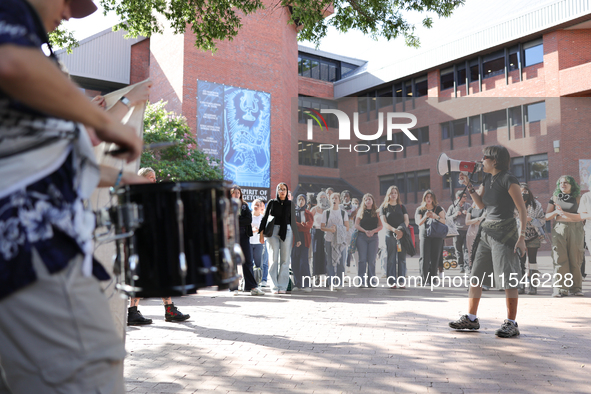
[394, 214]
[368, 222]
[498, 201]
[423, 212]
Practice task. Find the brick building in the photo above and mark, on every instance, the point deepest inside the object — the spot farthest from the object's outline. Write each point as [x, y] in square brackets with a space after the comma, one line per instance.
[521, 83]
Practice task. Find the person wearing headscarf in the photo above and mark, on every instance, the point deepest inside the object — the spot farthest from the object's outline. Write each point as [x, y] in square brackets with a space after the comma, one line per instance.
[299, 254]
[280, 214]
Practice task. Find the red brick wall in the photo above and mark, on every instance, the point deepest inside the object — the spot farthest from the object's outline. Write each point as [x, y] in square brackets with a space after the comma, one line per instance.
[574, 47]
[140, 62]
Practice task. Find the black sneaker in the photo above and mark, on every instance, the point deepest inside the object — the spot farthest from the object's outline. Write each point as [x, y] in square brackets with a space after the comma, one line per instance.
[135, 318]
[464, 323]
[507, 330]
[173, 314]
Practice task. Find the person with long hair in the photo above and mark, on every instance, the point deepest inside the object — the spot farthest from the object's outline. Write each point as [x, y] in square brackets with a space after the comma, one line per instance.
[368, 223]
[318, 248]
[499, 241]
[567, 236]
[431, 248]
[284, 233]
[245, 225]
[585, 212]
[335, 224]
[256, 247]
[299, 254]
[394, 215]
[535, 216]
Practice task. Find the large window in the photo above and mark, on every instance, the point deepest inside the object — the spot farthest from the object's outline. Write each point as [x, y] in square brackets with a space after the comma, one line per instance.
[410, 184]
[461, 74]
[322, 68]
[533, 52]
[493, 64]
[535, 112]
[530, 168]
[495, 120]
[447, 78]
[318, 104]
[514, 58]
[309, 154]
[421, 86]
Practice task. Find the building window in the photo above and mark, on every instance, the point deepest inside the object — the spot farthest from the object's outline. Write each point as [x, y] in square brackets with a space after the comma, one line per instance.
[408, 87]
[423, 180]
[362, 104]
[444, 130]
[515, 116]
[537, 166]
[447, 78]
[455, 178]
[398, 92]
[309, 154]
[533, 52]
[385, 97]
[316, 103]
[386, 182]
[493, 64]
[475, 124]
[461, 74]
[421, 86]
[518, 168]
[424, 135]
[474, 72]
[514, 58]
[460, 127]
[495, 120]
[535, 112]
[321, 68]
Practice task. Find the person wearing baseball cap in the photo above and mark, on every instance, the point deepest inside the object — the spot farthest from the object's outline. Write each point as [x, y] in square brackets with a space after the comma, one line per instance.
[56, 330]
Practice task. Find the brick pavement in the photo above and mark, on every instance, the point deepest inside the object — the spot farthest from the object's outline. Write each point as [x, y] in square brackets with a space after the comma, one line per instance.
[362, 341]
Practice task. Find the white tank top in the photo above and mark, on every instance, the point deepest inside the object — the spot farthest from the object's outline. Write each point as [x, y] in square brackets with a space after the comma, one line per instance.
[317, 219]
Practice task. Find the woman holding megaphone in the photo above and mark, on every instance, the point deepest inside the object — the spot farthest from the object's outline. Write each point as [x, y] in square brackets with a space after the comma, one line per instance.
[499, 241]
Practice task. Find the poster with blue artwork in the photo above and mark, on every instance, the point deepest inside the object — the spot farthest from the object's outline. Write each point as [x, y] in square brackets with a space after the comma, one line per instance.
[247, 137]
[210, 118]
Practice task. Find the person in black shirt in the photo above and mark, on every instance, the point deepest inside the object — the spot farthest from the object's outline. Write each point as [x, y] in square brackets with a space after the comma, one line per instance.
[281, 212]
[394, 215]
[431, 248]
[499, 239]
[245, 222]
[368, 223]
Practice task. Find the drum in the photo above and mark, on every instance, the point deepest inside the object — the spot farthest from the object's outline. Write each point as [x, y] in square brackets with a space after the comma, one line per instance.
[182, 243]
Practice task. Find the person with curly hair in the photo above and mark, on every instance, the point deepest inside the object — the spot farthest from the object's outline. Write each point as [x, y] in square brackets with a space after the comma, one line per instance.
[567, 236]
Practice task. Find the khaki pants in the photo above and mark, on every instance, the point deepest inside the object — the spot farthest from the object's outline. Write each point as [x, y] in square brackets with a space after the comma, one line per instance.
[57, 336]
[568, 254]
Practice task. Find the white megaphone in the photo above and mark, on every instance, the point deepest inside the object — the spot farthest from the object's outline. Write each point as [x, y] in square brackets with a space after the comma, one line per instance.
[445, 165]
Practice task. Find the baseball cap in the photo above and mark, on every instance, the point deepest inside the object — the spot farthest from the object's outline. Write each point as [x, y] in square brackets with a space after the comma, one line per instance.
[82, 8]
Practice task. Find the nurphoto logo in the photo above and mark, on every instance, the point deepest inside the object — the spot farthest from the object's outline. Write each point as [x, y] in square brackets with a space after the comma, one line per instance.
[392, 119]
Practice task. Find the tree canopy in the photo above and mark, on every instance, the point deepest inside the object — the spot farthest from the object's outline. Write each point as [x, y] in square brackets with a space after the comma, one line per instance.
[217, 20]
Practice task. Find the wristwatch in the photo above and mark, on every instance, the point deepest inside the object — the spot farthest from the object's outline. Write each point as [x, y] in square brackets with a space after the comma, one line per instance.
[522, 233]
[125, 101]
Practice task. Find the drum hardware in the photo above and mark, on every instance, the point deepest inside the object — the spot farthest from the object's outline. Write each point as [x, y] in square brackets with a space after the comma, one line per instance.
[173, 238]
[180, 217]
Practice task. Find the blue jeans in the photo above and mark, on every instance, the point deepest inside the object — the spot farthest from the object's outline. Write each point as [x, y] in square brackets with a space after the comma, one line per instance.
[300, 265]
[279, 252]
[257, 254]
[265, 263]
[368, 250]
[330, 270]
[396, 265]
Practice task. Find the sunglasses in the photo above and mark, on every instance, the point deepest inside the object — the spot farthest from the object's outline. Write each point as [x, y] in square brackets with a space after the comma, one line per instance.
[487, 157]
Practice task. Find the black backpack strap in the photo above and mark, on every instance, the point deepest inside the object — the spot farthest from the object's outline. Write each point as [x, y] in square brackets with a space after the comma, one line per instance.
[327, 217]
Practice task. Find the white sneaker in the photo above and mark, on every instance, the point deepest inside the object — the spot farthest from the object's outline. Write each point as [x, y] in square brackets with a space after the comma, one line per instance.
[257, 292]
[307, 289]
[264, 283]
[295, 288]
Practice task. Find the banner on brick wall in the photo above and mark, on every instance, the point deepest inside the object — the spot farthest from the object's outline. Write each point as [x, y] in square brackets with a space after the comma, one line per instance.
[247, 137]
[210, 118]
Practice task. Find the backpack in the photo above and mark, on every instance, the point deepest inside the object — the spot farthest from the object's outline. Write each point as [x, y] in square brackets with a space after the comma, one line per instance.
[328, 216]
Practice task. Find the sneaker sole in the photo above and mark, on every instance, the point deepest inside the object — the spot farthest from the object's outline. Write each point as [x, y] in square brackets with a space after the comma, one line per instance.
[465, 329]
[139, 323]
[504, 335]
[187, 317]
